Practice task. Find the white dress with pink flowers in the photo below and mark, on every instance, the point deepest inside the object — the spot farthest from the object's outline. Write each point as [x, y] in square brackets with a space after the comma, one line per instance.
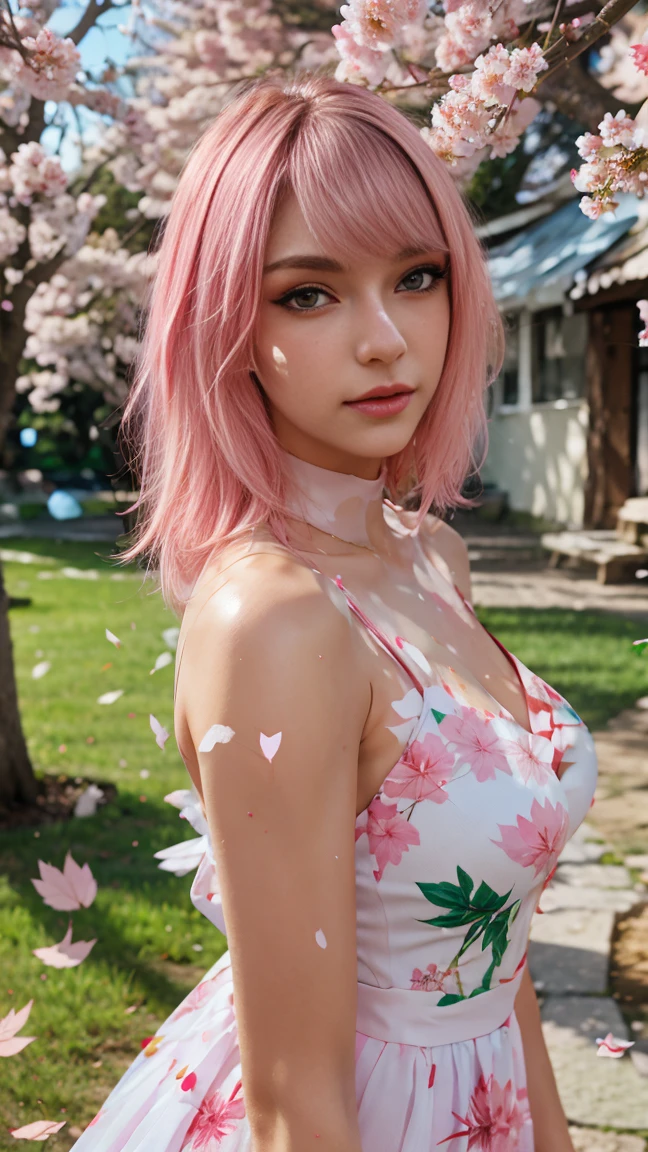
[451, 858]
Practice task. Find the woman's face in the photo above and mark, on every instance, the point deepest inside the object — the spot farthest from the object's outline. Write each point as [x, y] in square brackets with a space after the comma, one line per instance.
[331, 329]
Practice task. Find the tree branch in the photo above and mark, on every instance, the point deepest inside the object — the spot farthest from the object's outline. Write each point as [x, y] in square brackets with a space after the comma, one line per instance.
[563, 52]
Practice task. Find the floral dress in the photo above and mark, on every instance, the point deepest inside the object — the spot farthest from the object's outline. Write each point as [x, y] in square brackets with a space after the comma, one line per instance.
[452, 855]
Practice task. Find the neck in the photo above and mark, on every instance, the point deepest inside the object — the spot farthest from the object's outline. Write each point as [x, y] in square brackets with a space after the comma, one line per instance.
[342, 505]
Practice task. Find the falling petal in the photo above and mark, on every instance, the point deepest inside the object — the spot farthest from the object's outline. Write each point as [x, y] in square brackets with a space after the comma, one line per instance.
[269, 745]
[161, 734]
[640, 641]
[641, 573]
[113, 639]
[38, 1130]
[320, 938]
[180, 797]
[110, 697]
[65, 954]
[73, 888]
[87, 803]
[40, 669]
[163, 659]
[217, 734]
[409, 706]
[170, 637]
[10, 1043]
[414, 654]
[612, 1046]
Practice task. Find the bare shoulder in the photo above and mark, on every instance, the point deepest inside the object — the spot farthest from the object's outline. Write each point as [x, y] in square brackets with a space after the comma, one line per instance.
[267, 625]
[270, 596]
[448, 544]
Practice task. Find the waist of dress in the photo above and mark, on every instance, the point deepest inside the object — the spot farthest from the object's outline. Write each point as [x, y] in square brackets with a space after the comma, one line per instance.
[402, 1016]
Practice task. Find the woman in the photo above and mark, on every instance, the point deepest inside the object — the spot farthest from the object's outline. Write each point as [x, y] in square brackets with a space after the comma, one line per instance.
[383, 788]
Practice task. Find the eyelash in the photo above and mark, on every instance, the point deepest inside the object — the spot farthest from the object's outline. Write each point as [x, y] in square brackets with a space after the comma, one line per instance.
[437, 273]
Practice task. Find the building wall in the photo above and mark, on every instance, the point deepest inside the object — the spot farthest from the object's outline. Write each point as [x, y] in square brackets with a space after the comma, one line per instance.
[537, 451]
[538, 454]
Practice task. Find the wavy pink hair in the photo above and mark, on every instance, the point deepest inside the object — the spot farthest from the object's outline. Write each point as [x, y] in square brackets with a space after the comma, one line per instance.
[206, 456]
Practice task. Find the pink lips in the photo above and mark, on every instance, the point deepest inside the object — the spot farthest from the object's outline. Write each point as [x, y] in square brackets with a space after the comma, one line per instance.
[377, 405]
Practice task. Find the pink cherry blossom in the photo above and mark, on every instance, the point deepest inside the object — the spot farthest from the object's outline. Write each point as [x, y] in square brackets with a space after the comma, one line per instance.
[639, 54]
[50, 66]
[215, 1119]
[422, 771]
[524, 67]
[533, 756]
[488, 77]
[617, 129]
[390, 834]
[378, 24]
[537, 840]
[495, 1117]
[431, 980]
[476, 743]
[357, 64]
[33, 172]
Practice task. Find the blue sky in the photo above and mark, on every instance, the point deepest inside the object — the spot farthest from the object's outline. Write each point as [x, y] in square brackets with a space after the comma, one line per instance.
[102, 42]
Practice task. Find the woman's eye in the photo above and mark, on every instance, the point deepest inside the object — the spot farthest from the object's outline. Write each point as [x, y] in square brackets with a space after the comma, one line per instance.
[305, 295]
[435, 274]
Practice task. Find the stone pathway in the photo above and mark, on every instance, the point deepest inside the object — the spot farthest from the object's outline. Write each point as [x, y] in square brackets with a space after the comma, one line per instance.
[569, 961]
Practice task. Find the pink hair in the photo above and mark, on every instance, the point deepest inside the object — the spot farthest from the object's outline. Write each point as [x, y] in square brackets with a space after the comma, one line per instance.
[208, 461]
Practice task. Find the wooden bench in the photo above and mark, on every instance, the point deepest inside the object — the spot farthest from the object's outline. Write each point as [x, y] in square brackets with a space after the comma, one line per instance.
[632, 521]
[616, 558]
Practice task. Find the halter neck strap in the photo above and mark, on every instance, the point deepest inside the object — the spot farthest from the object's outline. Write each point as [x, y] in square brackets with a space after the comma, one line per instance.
[383, 640]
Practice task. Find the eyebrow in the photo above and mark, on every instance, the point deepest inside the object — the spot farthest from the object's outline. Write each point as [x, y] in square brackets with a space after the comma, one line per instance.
[326, 264]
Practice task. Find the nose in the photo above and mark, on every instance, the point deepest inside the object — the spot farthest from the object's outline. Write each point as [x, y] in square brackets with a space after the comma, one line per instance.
[379, 337]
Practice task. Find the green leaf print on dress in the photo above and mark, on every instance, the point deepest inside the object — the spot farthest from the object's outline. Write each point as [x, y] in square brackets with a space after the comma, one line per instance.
[488, 915]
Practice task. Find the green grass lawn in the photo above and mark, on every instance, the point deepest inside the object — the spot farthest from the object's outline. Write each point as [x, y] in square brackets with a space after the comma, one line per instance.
[152, 946]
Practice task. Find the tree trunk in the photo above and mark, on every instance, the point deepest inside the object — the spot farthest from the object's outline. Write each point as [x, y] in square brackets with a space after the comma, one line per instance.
[17, 780]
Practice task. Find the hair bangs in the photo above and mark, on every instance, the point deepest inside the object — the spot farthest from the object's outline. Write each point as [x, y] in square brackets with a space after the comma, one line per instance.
[368, 199]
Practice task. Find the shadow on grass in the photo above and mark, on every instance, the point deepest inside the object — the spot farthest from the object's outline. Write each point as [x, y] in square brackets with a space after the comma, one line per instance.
[127, 941]
[75, 553]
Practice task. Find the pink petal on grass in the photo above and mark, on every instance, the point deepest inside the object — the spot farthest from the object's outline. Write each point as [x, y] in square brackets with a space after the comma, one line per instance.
[161, 734]
[68, 890]
[10, 1043]
[612, 1046]
[270, 745]
[113, 639]
[38, 1130]
[640, 641]
[65, 954]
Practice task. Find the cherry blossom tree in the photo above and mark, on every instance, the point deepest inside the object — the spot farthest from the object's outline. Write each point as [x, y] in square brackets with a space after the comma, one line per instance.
[473, 74]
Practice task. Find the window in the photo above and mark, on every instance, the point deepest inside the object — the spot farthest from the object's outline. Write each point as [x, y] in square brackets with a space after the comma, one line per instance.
[558, 346]
[508, 377]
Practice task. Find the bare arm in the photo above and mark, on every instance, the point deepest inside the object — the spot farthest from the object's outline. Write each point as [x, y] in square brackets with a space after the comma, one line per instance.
[550, 1131]
[273, 654]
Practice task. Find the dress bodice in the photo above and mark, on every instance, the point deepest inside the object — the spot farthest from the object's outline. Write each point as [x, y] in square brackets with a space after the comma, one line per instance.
[454, 849]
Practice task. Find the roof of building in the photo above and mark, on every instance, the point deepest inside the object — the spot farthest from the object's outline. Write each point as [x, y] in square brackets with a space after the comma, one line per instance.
[538, 265]
[624, 261]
